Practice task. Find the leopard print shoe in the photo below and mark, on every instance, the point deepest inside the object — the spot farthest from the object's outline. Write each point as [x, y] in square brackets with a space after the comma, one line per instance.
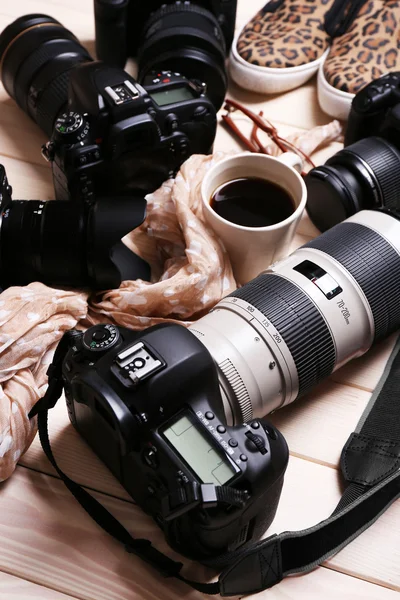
[281, 47]
[366, 42]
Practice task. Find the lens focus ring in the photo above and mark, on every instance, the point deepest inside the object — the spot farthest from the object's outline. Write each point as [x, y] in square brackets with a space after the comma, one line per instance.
[298, 321]
[51, 101]
[374, 264]
[383, 160]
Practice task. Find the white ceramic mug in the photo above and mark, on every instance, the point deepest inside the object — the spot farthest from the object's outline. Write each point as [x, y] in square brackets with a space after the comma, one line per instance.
[253, 249]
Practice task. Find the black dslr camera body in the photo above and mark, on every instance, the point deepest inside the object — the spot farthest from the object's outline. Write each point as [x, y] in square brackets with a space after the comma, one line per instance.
[150, 406]
[110, 136]
[119, 137]
[193, 38]
[366, 173]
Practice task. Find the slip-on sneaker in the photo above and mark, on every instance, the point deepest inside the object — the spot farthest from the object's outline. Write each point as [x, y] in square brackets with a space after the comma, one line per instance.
[281, 47]
[365, 46]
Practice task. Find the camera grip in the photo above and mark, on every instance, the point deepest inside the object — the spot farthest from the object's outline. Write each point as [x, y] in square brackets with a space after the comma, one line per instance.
[111, 31]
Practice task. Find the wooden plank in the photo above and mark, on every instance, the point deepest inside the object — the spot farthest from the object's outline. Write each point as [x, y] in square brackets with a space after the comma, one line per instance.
[46, 534]
[15, 588]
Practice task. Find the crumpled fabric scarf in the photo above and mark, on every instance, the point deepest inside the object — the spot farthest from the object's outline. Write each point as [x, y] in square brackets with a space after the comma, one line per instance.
[190, 273]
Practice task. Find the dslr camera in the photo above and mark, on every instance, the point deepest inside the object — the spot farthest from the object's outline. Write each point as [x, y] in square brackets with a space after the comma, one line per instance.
[178, 414]
[149, 404]
[109, 135]
[366, 173]
[192, 38]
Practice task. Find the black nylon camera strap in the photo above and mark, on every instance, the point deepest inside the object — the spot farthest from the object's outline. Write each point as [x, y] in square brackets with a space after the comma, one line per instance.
[370, 464]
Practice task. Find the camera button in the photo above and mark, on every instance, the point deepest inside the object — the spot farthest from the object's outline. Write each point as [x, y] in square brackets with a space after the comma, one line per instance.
[255, 425]
[100, 335]
[233, 443]
[171, 122]
[221, 429]
[243, 457]
[150, 457]
[200, 113]
[209, 415]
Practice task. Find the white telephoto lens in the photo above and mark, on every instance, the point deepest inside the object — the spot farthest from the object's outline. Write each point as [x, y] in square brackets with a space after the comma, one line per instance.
[289, 328]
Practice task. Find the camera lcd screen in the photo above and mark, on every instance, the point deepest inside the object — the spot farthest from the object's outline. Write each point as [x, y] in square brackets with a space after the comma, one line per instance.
[173, 95]
[200, 455]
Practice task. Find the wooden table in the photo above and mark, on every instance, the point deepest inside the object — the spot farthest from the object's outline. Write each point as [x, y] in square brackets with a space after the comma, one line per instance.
[50, 549]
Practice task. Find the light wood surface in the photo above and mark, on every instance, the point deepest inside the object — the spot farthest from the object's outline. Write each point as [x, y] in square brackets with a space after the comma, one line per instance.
[50, 549]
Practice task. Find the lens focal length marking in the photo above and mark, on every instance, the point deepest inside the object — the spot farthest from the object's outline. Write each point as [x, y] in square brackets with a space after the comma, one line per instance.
[272, 338]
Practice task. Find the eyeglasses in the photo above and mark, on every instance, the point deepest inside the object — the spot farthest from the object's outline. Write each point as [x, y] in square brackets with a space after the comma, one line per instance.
[259, 123]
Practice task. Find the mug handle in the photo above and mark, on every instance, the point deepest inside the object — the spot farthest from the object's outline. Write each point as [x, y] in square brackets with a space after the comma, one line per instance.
[291, 160]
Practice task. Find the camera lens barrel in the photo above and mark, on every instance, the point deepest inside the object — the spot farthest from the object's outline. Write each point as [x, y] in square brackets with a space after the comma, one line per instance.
[36, 56]
[278, 336]
[36, 244]
[61, 243]
[186, 38]
[361, 176]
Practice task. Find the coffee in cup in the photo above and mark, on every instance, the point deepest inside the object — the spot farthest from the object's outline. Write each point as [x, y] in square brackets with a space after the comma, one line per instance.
[254, 203]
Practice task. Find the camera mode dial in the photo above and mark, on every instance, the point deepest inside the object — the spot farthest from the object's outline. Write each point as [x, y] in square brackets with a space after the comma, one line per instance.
[71, 127]
[100, 338]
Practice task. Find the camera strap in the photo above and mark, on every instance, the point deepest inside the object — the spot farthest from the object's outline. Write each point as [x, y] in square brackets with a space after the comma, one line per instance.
[370, 463]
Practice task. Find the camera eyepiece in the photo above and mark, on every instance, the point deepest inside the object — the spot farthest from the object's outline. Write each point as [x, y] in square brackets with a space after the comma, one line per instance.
[36, 56]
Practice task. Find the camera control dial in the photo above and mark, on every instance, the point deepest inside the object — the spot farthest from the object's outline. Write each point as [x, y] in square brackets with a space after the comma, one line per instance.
[100, 338]
[71, 126]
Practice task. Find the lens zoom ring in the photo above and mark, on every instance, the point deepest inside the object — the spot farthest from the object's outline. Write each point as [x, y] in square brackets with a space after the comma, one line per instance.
[384, 160]
[373, 263]
[53, 98]
[298, 321]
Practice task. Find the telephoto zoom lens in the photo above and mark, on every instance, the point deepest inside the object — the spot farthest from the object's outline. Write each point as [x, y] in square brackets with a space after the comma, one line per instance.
[282, 333]
[60, 243]
[364, 175]
[36, 56]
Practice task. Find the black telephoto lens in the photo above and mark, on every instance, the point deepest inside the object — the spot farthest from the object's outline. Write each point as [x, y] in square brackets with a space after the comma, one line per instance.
[186, 38]
[60, 243]
[364, 175]
[36, 56]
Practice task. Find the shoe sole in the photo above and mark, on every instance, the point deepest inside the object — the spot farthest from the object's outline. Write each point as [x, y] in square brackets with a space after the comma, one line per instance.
[268, 80]
[334, 102]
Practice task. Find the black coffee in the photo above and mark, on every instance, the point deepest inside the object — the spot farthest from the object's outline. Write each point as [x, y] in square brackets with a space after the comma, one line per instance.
[252, 202]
